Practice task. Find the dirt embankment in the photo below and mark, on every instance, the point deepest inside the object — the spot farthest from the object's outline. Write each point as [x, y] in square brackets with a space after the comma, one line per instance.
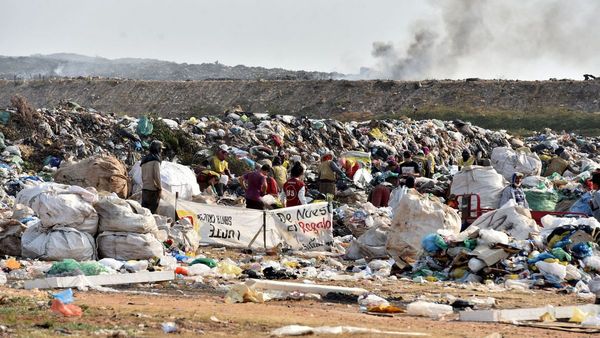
[509, 104]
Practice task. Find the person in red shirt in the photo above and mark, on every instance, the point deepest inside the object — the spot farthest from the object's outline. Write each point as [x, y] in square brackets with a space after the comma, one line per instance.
[294, 188]
[380, 196]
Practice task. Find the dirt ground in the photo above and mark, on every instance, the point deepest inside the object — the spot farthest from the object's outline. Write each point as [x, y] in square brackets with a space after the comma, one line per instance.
[199, 309]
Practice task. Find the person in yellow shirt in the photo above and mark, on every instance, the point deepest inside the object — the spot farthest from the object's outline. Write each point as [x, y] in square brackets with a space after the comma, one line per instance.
[279, 172]
[220, 165]
[466, 159]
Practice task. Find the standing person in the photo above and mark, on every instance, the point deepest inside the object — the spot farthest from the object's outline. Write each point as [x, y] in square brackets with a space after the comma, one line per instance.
[294, 188]
[429, 162]
[151, 182]
[329, 172]
[279, 172]
[220, 165]
[255, 184]
[595, 202]
[409, 167]
[514, 192]
[272, 186]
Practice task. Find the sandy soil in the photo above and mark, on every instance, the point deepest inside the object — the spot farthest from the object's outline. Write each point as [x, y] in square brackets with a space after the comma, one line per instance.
[202, 310]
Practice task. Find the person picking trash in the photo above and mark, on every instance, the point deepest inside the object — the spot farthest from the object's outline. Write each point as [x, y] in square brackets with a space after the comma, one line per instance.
[151, 182]
[255, 184]
[514, 192]
[220, 165]
[329, 172]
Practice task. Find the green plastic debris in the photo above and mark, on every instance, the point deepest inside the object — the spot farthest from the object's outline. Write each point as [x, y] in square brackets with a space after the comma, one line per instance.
[561, 254]
[206, 261]
[4, 117]
[92, 268]
[144, 127]
[470, 243]
[72, 267]
[65, 266]
[541, 200]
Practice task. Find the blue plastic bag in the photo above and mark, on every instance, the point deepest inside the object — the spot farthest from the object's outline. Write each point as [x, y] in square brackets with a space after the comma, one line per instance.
[66, 297]
[583, 204]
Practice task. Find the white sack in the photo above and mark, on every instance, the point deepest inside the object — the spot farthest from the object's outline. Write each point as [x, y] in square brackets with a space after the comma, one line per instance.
[174, 178]
[121, 215]
[511, 219]
[58, 244]
[507, 161]
[484, 181]
[371, 244]
[128, 246]
[59, 205]
[416, 216]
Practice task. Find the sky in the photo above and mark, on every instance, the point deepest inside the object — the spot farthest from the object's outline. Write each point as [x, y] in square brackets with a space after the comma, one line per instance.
[397, 39]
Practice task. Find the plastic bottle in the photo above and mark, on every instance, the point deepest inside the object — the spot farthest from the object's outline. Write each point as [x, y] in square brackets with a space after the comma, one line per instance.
[427, 309]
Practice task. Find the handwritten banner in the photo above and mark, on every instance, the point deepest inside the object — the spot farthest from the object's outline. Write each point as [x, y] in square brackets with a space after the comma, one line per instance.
[225, 226]
[306, 227]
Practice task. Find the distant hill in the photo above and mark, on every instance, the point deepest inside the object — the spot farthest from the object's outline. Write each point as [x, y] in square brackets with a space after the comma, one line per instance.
[74, 65]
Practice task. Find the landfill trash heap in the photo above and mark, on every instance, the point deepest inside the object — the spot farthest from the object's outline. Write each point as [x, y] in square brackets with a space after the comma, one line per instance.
[57, 221]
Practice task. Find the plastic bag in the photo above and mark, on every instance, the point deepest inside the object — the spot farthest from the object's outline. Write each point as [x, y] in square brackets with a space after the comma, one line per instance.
[144, 126]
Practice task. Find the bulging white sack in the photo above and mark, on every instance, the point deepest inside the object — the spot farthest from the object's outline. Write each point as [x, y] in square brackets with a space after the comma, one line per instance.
[416, 216]
[59, 205]
[176, 178]
[57, 244]
[507, 161]
[128, 246]
[121, 215]
[484, 181]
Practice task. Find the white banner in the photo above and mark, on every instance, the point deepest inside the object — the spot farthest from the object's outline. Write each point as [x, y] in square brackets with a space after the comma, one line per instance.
[226, 226]
[306, 227]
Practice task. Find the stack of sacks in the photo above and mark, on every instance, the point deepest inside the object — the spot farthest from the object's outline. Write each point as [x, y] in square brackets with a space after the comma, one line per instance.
[67, 222]
[127, 230]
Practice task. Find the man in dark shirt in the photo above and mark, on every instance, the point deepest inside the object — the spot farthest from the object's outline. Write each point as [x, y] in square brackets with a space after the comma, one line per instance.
[409, 167]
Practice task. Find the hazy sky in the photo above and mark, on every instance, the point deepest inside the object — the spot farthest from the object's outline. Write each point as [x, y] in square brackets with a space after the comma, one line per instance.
[400, 39]
[327, 35]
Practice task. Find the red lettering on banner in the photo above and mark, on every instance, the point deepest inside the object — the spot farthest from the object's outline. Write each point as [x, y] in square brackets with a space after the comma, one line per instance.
[315, 226]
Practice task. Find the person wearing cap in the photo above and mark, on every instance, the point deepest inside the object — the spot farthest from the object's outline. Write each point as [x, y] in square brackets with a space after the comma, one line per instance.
[514, 192]
[329, 172]
[255, 184]
[220, 165]
[151, 182]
